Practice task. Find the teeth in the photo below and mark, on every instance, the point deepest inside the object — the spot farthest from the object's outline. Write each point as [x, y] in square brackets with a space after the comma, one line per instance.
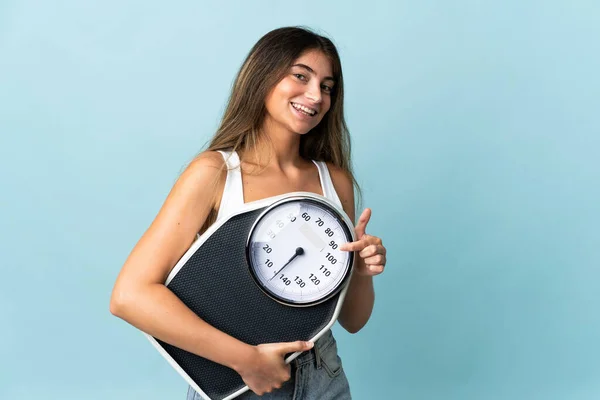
[306, 110]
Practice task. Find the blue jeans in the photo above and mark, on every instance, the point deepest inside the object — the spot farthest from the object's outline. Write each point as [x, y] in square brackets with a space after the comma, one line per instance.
[316, 375]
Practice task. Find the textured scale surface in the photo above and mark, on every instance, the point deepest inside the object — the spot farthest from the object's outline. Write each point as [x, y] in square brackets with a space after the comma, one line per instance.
[217, 285]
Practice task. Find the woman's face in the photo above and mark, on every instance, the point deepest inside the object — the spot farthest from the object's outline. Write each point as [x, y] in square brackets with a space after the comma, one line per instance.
[301, 99]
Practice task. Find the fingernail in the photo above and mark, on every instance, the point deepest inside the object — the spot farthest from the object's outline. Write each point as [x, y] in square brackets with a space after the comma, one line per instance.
[309, 344]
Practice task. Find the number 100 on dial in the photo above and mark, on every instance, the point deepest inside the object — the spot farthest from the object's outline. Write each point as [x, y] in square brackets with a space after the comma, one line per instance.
[293, 251]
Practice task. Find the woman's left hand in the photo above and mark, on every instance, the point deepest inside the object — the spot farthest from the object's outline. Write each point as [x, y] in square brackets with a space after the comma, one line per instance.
[369, 248]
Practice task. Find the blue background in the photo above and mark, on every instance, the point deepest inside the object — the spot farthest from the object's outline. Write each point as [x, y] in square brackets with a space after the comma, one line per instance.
[475, 128]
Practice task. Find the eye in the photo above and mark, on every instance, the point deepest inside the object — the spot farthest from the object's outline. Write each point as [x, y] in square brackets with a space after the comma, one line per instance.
[326, 89]
[300, 76]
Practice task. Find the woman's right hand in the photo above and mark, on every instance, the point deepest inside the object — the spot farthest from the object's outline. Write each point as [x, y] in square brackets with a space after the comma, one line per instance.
[266, 369]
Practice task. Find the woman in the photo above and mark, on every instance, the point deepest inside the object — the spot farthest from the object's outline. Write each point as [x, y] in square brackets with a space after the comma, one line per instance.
[285, 110]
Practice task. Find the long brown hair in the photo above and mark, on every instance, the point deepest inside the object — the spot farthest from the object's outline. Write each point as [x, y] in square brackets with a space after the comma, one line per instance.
[266, 64]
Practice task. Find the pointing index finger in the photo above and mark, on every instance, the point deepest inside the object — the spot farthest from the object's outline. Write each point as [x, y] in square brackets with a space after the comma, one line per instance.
[352, 246]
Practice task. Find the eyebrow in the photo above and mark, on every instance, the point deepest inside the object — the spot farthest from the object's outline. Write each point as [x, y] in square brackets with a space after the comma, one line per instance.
[309, 69]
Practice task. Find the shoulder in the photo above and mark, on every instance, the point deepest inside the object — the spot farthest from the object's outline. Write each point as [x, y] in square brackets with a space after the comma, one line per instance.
[207, 160]
[206, 171]
[208, 165]
[344, 186]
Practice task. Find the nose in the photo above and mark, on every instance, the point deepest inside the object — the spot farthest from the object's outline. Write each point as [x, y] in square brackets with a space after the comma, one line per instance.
[314, 94]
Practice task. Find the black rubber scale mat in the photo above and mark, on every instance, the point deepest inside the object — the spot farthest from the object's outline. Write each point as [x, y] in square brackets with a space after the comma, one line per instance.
[216, 284]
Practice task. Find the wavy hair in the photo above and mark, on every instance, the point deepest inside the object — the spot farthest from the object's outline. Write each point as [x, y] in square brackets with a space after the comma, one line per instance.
[265, 66]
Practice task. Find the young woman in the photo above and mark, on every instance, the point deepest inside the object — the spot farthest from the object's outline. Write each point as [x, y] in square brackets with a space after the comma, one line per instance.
[284, 127]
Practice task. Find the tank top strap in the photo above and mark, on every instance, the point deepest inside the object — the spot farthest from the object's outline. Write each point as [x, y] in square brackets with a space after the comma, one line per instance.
[233, 192]
[327, 183]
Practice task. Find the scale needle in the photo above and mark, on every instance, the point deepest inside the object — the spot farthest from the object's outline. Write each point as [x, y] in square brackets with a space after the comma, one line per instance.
[299, 251]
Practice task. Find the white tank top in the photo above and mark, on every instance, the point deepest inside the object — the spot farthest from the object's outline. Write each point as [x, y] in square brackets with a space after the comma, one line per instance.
[233, 193]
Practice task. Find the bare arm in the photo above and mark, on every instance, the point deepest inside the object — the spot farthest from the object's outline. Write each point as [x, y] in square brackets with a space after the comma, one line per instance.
[140, 296]
[360, 297]
[358, 304]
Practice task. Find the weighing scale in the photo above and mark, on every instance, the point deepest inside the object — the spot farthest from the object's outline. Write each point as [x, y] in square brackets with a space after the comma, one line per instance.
[270, 272]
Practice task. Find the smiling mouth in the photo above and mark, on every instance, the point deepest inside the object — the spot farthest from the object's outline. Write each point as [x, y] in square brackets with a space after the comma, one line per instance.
[309, 112]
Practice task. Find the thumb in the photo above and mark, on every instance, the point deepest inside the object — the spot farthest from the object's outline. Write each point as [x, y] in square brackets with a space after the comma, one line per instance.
[292, 347]
[363, 220]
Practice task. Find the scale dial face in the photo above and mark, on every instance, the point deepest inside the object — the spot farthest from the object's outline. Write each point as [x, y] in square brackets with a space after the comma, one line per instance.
[293, 251]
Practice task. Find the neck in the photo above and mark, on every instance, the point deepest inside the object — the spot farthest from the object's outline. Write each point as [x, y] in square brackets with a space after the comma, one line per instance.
[277, 147]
